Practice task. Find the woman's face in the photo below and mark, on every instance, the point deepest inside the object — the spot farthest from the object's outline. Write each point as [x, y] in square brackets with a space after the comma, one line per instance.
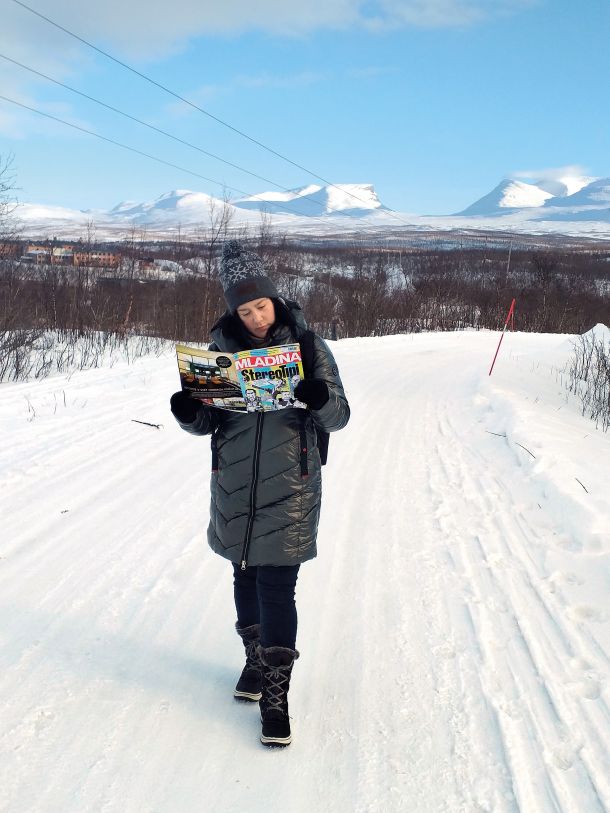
[257, 316]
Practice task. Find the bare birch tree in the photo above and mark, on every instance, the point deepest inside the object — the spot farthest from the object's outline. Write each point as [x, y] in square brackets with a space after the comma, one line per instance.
[8, 203]
[211, 237]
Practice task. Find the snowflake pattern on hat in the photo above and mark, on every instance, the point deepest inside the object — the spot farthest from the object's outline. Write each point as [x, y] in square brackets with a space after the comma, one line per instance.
[243, 276]
[239, 264]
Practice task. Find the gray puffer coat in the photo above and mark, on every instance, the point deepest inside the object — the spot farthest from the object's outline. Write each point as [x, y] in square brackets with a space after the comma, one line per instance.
[263, 510]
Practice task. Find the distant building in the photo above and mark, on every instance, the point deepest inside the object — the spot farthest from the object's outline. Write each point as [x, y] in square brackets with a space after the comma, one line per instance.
[62, 255]
[69, 255]
[37, 255]
[97, 259]
[10, 249]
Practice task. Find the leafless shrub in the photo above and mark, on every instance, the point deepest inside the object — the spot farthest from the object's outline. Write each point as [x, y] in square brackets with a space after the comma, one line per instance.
[16, 349]
[8, 202]
[589, 377]
[25, 357]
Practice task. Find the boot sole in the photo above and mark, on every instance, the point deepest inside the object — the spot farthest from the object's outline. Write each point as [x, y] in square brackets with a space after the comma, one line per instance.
[277, 741]
[251, 697]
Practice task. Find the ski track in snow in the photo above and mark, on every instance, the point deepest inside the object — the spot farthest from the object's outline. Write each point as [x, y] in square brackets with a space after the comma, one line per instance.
[452, 631]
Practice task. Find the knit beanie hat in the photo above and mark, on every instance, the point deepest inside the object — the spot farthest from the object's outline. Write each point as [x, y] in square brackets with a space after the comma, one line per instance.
[243, 277]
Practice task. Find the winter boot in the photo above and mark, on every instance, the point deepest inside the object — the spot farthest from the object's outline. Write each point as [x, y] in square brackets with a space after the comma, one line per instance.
[249, 683]
[276, 664]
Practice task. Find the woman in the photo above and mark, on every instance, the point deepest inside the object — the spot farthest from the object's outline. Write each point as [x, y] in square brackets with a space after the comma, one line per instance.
[266, 481]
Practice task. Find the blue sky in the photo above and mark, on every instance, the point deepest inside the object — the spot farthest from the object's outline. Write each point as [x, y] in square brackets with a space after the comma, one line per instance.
[432, 101]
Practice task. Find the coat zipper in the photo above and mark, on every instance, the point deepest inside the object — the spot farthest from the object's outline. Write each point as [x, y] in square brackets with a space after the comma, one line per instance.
[255, 462]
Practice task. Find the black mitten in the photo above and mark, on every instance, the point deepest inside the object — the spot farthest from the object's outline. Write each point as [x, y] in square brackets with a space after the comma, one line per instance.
[313, 392]
[184, 407]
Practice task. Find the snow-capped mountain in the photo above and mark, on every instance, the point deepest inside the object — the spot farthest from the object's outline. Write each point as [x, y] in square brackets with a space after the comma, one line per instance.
[179, 206]
[185, 208]
[590, 203]
[514, 194]
[508, 194]
[594, 194]
[315, 201]
[575, 200]
[565, 185]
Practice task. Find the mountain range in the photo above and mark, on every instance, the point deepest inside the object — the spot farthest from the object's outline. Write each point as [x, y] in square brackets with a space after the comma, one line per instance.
[578, 198]
[571, 205]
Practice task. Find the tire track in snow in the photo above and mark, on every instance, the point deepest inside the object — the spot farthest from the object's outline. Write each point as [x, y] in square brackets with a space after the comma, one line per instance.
[389, 739]
[109, 622]
[479, 745]
[556, 645]
[525, 669]
[405, 733]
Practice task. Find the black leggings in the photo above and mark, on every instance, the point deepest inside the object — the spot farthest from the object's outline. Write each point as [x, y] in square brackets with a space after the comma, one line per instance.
[265, 595]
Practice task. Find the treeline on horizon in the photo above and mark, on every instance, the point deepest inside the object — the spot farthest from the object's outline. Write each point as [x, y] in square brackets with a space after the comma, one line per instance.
[345, 290]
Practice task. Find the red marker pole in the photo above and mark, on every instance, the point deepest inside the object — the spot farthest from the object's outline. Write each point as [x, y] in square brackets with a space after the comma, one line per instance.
[510, 317]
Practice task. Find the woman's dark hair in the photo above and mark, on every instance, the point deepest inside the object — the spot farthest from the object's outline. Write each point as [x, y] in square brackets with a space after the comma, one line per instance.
[283, 314]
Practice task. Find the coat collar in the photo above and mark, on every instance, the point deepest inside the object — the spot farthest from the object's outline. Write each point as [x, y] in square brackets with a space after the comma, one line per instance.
[228, 333]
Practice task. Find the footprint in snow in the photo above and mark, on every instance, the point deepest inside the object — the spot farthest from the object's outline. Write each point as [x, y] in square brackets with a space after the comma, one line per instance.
[584, 612]
[560, 578]
[561, 757]
[588, 687]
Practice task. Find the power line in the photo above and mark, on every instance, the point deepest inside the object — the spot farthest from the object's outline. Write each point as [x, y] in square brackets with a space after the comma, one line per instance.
[195, 106]
[280, 205]
[109, 140]
[144, 123]
[152, 157]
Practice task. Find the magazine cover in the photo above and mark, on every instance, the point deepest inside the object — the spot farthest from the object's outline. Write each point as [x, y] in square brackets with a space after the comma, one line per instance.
[249, 381]
[268, 377]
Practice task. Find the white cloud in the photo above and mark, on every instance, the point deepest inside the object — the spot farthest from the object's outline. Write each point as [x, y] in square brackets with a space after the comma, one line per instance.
[550, 173]
[36, 44]
[557, 180]
[141, 31]
[440, 13]
[149, 29]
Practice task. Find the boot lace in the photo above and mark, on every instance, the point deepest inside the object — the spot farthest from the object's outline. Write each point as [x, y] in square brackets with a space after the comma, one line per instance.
[252, 658]
[277, 682]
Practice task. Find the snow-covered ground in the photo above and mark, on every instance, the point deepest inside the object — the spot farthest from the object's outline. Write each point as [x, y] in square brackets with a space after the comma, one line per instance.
[454, 630]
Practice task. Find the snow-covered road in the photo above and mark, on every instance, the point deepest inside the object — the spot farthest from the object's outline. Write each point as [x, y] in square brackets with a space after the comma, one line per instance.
[454, 631]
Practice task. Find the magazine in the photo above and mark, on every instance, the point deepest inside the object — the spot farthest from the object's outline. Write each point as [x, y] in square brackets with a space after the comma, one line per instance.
[261, 380]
